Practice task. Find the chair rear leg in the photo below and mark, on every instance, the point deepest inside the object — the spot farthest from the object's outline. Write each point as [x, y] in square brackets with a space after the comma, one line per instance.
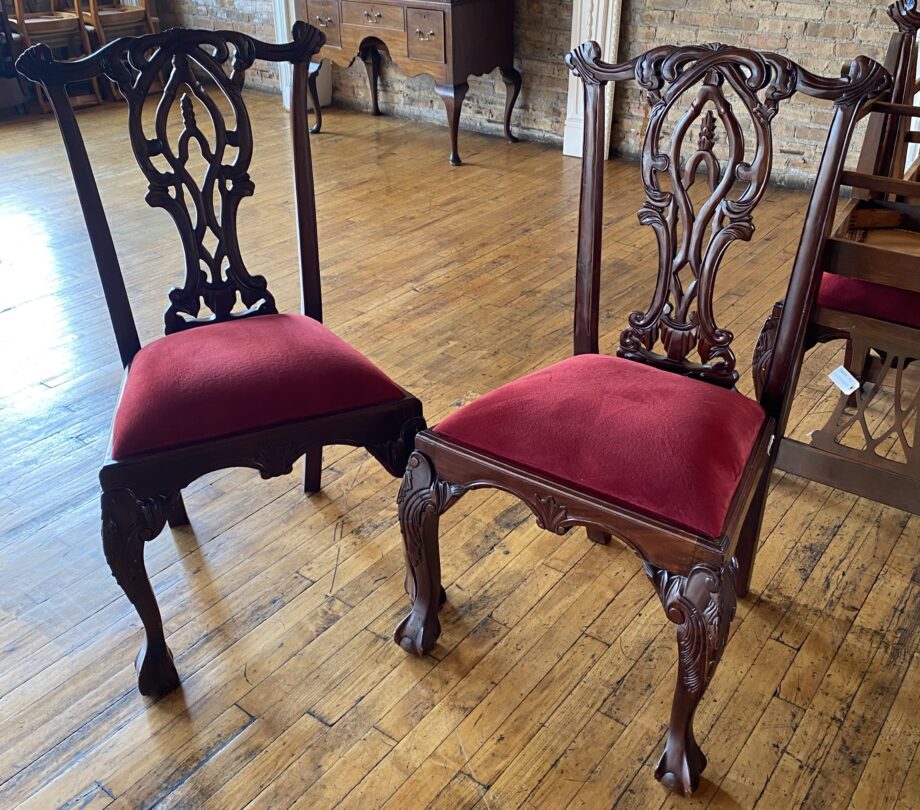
[312, 470]
[702, 605]
[749, 539]
[177, 516]
[422, 499]
[599, 536]
[128, 523]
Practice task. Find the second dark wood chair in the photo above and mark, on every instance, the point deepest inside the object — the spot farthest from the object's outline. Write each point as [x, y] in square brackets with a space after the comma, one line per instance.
[652, 446]
[233, 383]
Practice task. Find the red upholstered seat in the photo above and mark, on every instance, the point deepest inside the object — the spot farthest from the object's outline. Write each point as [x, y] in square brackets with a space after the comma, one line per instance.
[870, 299]
[233, 377]
[664, 445]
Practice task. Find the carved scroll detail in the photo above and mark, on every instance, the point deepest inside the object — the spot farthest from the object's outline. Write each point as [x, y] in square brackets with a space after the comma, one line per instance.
[551, 515]
[905, 16]
[702, 605]
[763, 351]
[422, 493]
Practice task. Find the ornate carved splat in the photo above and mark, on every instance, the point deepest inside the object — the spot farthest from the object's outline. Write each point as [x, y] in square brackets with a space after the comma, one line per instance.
[201, 67]
[694, 235]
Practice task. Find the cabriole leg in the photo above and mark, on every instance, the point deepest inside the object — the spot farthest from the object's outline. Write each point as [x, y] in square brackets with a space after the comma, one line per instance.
[128, 523]
[314, 97]
[702, 605]
[423, 498]
[512, 79]
[452, 96]
[371, 59]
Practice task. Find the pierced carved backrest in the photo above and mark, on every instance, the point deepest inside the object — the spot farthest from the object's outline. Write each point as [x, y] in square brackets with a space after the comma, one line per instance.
[705, 165]
[192, 138]
[166, 134]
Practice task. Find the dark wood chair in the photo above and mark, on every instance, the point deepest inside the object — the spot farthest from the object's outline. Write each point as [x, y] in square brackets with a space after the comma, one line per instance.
[870, 299]
[240, 385]
[652, 446]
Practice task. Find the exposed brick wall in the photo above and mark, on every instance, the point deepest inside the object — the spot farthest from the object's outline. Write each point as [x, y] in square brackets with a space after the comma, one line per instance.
[254, 17]
[819, 34]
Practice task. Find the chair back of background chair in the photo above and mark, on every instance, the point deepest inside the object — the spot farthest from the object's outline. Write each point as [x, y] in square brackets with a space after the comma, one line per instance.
[170, 121]
[693, 94]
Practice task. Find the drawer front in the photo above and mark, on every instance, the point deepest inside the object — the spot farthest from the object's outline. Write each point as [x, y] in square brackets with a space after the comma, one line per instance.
[425, 34]
[324, 14]
[374, 15]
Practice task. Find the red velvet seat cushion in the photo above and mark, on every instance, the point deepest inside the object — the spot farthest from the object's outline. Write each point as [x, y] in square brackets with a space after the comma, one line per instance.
[658, 443]
[232, 377]
[870, 299]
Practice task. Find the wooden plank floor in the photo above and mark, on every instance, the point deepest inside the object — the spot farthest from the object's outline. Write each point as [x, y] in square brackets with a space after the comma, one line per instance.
[551, 684]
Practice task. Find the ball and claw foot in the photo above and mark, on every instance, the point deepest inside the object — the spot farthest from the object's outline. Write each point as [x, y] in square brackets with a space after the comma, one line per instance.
[156, 672]
[679, 769]
[414, 636]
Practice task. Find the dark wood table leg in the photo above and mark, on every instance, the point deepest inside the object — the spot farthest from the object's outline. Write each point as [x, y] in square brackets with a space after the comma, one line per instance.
[371, 57]
[512, 79]
[453, 96]
[314, 96]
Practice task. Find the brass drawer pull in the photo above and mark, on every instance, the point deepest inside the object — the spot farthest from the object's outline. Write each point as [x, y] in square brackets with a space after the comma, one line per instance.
[324, 23]
[373, 18]
[422, 37]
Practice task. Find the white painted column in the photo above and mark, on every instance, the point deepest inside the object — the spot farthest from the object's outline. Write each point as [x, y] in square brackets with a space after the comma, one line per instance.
[284, 20]
[598, 20]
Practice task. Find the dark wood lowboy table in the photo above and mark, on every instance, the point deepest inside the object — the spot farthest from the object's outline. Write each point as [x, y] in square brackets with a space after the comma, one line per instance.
[449, 40]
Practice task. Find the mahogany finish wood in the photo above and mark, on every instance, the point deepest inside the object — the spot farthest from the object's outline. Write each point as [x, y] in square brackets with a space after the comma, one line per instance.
[141, 493]
[851, 451]
[449, 40]
[697, 577]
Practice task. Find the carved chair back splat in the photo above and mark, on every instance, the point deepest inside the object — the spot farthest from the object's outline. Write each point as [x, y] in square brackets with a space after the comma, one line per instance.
[675, 363]
[178, 418]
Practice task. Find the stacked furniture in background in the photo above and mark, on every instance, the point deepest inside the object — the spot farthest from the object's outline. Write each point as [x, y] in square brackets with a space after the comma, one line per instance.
[108, 21]
[870, 298]
[12, 91]
[63, 32]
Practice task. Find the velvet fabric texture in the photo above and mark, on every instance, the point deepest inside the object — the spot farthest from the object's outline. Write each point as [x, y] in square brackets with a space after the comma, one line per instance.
[870, 299]
[661, 444]
[233, 377]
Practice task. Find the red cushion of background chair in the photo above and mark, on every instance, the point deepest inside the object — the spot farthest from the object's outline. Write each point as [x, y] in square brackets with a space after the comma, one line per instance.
[232, 377]
[665, 445]
[870, 299]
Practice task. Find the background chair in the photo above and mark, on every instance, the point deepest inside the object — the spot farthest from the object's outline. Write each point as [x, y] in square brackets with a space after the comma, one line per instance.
[240, 385]
[653, 446]
[63, 33]
[108, 21]
[870, 299]
[10, 48]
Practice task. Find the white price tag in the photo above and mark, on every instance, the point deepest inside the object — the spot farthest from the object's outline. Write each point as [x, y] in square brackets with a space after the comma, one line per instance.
[845, 381]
